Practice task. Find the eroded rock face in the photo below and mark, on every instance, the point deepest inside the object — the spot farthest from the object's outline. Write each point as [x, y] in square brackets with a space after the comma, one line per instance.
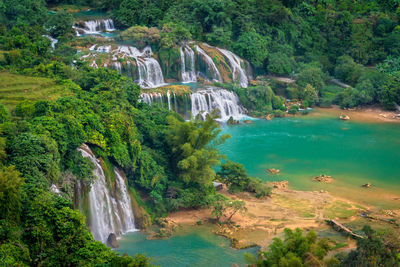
[112, 241]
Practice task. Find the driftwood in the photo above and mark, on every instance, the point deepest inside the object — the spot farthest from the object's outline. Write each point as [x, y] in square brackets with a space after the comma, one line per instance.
[341, 228]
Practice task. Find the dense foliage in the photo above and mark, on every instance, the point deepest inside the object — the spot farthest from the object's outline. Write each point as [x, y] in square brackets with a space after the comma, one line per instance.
[295, 249]
[169, 160]
[234, 175]
[279, 37]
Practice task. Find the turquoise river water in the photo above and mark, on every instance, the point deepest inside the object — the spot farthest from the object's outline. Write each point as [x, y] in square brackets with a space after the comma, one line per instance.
[353, 153]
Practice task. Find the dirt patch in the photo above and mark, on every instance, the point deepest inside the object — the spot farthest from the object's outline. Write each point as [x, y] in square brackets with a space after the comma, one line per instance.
[267, 218]
[363, 114]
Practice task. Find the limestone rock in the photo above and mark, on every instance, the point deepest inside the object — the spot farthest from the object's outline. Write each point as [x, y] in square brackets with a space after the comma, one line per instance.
[344, 117]
[112, 241]
[323, 179]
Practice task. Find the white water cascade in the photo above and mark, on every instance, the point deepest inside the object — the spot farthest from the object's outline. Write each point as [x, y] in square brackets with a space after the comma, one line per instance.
[188, 71]
[216, 76]
[236, 68]
[52, 40]
[97, 26]
[152, 98]
[108, 213]
[206, 100]
[150, 73]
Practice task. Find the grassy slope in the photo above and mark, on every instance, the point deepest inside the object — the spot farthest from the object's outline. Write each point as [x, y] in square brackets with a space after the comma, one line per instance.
[15, 88]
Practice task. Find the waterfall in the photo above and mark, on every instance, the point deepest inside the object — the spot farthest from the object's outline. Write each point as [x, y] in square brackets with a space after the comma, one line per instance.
[108, 213]
[202, 102]
[124, 203]
[91, 26]
[109, 25]
[117, 66]
[150, 73]
[206, 100]
[100, 48]
[52, 40]
[216, 76]
[236, 68]
[97, 26]
[190, 74]
[154, 98]
[169, 100]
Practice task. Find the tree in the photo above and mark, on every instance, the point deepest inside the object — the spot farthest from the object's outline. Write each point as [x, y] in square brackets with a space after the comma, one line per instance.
[253, 47]
[280, 64]
[28, 12]
[309, 94]
[295, 249]
[193, 146]
[223, 206]
[36, 157]
[374, 250]
[60, 24]
[347, 70]
[234, 175]
[4, 114]
[311, 75]
[174, 34]
[10, 193]
[234, 207]
[141, 35]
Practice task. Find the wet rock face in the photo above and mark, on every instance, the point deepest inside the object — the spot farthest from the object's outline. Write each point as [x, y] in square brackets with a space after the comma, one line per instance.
[112, 241]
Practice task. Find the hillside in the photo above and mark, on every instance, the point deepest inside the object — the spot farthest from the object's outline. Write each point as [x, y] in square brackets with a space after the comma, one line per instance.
[15, 88]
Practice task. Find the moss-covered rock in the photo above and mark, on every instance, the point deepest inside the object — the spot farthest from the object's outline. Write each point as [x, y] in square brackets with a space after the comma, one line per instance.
[142, 218]
[219, 61]
[170, 61]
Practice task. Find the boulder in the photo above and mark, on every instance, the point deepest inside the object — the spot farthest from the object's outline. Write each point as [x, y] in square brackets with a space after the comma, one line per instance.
[344, 117]
[112, 241]
[247, 121]
[273, 171]
[323, 179]
[280, 185]
[232, 121]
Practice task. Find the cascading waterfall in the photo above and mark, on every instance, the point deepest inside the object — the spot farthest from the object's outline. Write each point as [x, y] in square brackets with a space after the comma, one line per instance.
[150, 73]
[236, 68]
[52, 40]
[169, 99]
[124, 203]
[202, 102]
[216, 76]
[206, 100]
[187, 54]
[109, 25]
[108, 213]
[158, 98]
[97, 26]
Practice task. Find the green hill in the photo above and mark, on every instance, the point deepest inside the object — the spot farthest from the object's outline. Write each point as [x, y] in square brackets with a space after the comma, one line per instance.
[16, 88]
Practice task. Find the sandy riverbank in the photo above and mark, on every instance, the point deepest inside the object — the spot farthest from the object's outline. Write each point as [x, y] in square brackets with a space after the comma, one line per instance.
[267, 218]
[361, 114]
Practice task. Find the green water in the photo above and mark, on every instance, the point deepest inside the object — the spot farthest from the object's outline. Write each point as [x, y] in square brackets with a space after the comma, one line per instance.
[304, 147]
[190, 247]
[301, 147]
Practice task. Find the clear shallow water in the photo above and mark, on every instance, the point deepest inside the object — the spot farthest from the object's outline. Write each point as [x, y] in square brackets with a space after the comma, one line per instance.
[193, 246]
[304, 147]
